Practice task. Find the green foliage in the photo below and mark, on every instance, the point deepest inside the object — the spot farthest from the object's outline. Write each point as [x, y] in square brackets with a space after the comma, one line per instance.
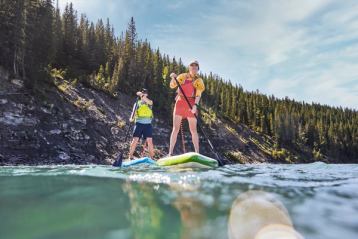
[235, 156]
[317, 155]
[57, 73]
[279, 154]
[324, 130]
[34, 35]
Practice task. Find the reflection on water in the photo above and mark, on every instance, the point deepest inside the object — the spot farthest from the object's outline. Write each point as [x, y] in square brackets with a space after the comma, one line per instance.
[254, 201]
[260, 215]
[146, 215]
[192, 215]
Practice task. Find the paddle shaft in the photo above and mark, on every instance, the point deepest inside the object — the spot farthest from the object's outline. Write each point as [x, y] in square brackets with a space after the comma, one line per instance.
[120, 157]
[201, 129]
[182, 136]
[131, 117]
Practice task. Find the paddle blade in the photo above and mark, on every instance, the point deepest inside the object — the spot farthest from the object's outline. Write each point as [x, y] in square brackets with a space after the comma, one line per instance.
[119, 160]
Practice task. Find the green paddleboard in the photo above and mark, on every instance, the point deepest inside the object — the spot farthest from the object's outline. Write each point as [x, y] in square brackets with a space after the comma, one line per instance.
[188, 158]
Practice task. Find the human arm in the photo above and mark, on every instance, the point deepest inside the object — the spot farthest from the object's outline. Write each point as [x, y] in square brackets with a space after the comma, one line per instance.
[144, 98]
[180, 78]
[147, 100]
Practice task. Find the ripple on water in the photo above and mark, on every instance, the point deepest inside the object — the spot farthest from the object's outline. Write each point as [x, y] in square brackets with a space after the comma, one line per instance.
[322, 199]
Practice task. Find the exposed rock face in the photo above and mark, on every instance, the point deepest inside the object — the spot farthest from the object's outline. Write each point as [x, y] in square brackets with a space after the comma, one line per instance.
[69, 124]
[65, 125]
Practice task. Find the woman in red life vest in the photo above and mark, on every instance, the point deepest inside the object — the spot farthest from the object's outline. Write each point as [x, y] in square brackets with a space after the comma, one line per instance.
[193, 87]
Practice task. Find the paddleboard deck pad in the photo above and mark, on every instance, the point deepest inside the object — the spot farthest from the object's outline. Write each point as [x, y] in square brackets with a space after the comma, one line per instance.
[189, 159]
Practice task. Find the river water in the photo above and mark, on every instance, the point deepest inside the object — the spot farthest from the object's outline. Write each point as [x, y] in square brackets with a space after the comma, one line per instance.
[238, 201]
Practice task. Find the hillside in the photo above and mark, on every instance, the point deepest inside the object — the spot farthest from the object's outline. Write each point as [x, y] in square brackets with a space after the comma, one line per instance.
[84, 69]
[70, 123]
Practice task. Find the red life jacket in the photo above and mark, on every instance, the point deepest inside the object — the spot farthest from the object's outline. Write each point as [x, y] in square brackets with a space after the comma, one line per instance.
[187, 85]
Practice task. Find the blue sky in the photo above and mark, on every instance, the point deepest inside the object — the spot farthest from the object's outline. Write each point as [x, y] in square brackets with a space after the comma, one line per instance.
[304, 49]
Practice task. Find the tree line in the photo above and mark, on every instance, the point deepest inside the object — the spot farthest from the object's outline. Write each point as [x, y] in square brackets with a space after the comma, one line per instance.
[36, 38]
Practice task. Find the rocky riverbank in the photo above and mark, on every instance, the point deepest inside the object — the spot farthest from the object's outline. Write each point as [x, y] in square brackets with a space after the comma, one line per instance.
[69, 123]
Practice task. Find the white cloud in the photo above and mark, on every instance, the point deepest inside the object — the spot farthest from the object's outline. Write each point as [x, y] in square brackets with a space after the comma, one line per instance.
[299, 48]
[337, 85]
[265, 30]
[303, 53]
[282, 87]
[115, 10]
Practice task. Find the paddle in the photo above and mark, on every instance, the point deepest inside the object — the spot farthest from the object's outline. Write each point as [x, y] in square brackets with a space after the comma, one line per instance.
[218, 158]
[119, 160]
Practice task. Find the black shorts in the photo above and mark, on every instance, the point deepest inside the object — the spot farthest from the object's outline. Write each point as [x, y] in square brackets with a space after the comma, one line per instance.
[144, 130]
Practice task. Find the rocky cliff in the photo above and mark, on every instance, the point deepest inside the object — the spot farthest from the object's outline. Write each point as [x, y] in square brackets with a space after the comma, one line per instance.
[68, 123]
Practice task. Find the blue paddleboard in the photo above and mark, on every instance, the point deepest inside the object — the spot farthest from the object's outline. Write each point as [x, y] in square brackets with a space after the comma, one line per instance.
[133, 162]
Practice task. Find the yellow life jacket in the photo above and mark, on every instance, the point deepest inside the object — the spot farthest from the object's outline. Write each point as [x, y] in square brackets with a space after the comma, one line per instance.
[143, 110]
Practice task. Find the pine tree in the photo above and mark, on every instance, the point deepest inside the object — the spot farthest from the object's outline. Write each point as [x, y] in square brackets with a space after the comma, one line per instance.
[57, 38]
[34, 36]
[12, 37]
[116, 77]
[69, 38]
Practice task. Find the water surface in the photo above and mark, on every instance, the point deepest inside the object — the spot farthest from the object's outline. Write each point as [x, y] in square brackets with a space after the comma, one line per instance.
[150, 202]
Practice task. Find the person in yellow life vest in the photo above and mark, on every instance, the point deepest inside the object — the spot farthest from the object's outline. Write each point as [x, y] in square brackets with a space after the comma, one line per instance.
[192, 86]
[142, 114]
